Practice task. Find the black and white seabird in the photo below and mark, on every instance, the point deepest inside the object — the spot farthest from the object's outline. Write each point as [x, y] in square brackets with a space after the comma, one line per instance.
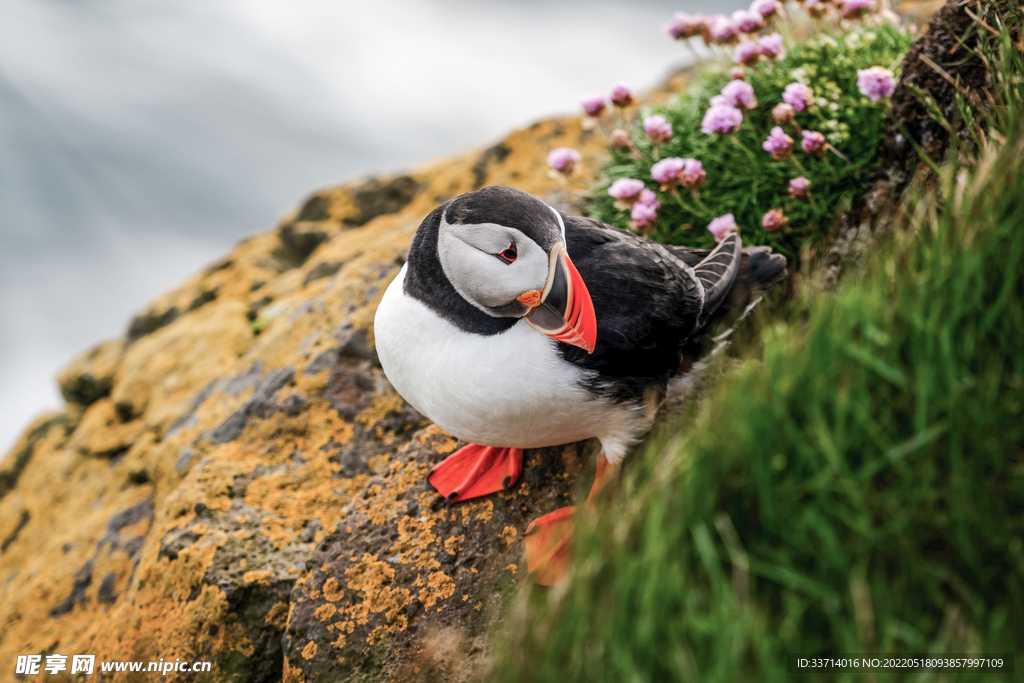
[515, 326]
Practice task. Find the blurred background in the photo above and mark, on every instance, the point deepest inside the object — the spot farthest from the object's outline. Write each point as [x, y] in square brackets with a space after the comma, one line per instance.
[140, 140]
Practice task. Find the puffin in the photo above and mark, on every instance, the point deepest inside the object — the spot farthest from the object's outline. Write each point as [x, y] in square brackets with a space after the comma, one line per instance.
[513, 325]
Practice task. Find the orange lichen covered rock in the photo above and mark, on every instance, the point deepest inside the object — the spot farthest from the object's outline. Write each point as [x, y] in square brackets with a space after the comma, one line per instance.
[236, 481]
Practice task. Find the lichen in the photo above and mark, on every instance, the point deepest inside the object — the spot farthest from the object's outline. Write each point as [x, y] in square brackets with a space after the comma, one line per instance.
[242, 487]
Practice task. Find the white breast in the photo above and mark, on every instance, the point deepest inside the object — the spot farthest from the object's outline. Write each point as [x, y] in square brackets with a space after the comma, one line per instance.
[509, 390]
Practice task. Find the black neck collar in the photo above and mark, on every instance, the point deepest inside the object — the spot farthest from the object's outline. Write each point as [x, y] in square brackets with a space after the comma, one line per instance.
[425, 281]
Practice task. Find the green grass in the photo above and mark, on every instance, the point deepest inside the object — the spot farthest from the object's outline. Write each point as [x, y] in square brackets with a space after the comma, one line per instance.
[857, 489]
[742, 178]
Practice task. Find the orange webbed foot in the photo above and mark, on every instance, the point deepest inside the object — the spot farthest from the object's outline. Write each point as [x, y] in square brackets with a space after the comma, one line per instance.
[549, 538]
[549, 547]
[474, 471]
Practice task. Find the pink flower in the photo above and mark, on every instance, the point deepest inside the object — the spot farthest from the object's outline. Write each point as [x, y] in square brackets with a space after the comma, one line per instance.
[876, 83]
[619, 139]
[853, 9]
[626, 190]
[723, 226]
[778, 144]
[643, 215]
[739, 94]
[685, 25]
[774, 220]
[621, 95]
[672, 171]
[737, 73]
[657, 129]
[649, 198]
[667, 172]
[798, 95]
[813, 142]
[594, 103]
[783, 113]
[645, 211]
[722, 119]
[722, 29]
[771, 46]
[800, 188]
[816, 8]
[564, 159]
[766, 8]
[693, 175]
[747, 21]
[747, 53]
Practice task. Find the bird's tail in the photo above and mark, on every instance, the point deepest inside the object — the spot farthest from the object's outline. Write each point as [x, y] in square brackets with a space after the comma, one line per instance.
[759, 269]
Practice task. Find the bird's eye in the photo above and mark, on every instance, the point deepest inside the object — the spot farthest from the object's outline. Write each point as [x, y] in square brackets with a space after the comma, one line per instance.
[510, 254]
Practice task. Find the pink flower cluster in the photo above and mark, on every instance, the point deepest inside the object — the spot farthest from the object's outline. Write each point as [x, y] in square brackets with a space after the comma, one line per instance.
[675, 171]
[800, 188]
[774, 220]
[739, 94]
[622, 96]
[725, 114]
[771, 46]
[645, 211]
[749, 51]
[594, 103]
[816, 8]
[626, 191]
[620, 140]
[778, 144]
[783, 113]
[564, 159]
[876, 83]
[723, 226]
[721, 29]
[766, 8]
[813, 142]
[798, 96]
[747, 21]
[685, 25]
[643, 204]
[854, 9]
[722, 119]
[657, 129]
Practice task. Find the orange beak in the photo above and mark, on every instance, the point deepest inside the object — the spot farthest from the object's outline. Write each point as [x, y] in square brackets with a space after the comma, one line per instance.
[565, 312]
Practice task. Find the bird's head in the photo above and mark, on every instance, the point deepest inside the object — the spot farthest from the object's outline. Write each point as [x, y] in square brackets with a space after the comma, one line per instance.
[504, 252]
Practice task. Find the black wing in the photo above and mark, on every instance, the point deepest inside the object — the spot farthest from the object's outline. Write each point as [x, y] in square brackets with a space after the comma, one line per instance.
[648, 303]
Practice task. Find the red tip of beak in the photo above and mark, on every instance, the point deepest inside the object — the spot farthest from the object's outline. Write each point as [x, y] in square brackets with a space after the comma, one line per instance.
[580, 318]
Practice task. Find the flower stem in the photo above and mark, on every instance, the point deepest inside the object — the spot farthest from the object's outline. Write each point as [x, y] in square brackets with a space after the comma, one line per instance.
[700, 211]
[739, 144]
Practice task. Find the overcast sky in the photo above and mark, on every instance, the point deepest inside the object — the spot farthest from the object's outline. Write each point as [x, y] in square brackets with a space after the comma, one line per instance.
[140, 140]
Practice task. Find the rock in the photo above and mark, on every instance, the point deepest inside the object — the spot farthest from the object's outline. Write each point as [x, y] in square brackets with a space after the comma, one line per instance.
[238, 482]
[90, 377]
[375, 198]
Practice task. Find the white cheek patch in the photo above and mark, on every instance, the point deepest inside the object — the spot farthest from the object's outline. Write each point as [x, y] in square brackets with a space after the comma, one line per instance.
[468, 256]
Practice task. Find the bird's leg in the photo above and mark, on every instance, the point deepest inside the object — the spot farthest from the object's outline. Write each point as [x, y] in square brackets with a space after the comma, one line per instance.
[549, 538]
[474, 471]
[607, 475]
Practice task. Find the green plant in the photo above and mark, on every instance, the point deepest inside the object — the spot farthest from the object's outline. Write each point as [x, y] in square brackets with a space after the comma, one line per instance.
[742, 178]
[857, 490]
